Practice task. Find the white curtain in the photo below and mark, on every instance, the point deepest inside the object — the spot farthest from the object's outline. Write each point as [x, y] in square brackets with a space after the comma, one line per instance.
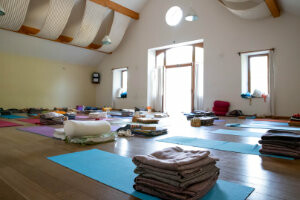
[272, 84]
[198, 95]
[157, 88]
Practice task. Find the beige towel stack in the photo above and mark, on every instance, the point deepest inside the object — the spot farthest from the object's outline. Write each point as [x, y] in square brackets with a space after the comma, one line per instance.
[174, 173]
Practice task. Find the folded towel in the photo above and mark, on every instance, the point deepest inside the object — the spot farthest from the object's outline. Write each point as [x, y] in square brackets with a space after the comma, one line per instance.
[173, 158]
[183, 183]
[195, 168]
[281, 135]
[166, 191]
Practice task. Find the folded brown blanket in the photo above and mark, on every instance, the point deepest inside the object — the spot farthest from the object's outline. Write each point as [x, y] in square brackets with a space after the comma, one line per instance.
[281, 135]
[281, 148]
[166, 191]
[288, 144]
[195, 168]
[280, 153]
[173, 158]
[183, 184]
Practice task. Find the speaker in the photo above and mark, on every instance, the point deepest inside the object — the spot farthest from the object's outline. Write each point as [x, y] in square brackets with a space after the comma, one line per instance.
[96, 78]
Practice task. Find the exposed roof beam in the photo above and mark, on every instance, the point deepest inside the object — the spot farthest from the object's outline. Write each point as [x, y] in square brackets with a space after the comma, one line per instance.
[26, 30]
[118, 8]
[273, 7]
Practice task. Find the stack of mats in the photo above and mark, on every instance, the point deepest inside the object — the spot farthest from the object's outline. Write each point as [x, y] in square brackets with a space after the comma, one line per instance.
[143, 130]
[285, 143]
[174, 173]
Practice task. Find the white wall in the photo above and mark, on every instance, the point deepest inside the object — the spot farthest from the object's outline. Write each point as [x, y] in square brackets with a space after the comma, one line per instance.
[24, 45]
[224, 35]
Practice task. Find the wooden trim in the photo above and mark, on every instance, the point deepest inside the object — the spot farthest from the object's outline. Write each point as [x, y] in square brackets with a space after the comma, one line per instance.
[118, 8]
[243, 52]
[249, 70]
[62, 39]
[28, 30]
[179, 65]
[94, 46]
[273, 7]
[119, 68]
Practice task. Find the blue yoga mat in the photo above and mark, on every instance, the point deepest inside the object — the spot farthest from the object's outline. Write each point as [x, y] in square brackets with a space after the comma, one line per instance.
[269, 123]
[219, 145]
[239, 133]
[117, 171]
[12, 116]
[260, 126]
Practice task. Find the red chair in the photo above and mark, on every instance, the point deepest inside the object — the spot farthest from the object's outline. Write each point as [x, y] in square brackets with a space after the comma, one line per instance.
[221, 108]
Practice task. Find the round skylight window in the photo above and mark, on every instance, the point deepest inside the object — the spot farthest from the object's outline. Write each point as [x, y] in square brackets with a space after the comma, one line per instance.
[174, 16]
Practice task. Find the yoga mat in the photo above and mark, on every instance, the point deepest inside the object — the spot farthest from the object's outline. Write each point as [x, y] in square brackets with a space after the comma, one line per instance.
[40, 130]
[219, 145]
[117, 172]
[269, 123]
[31, 121]
[8, 124]
[272, 120]
[263, 127]
[239, 133]
[12, 116]
[114, 128]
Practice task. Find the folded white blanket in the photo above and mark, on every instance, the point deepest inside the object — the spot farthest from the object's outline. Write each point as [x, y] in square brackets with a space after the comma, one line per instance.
[86, 128]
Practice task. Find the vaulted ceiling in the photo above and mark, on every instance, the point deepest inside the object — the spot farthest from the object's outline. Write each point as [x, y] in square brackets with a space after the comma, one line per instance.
[81, 23]
[258, 9]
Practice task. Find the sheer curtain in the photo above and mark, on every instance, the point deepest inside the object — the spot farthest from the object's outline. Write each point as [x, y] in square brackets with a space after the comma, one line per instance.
[198, 95]
[272, 83]
[157, 83]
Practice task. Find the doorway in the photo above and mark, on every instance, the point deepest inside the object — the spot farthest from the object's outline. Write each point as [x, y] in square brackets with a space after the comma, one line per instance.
[180, 71]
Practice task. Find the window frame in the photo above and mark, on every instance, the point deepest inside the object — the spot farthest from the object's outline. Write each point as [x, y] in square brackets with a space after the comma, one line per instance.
[249, 69]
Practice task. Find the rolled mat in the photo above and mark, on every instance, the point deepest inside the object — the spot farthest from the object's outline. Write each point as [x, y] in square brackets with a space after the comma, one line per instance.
[86, 128]
[105, 167]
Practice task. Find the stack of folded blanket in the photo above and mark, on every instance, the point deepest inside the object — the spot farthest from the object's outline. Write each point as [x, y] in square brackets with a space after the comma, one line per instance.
[174, 173]
[285, 143]
[52, 118]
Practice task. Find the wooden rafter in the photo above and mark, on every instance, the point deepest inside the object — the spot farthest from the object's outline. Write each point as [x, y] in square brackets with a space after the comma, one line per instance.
[26, 30]
[118, 8]
[273, 7]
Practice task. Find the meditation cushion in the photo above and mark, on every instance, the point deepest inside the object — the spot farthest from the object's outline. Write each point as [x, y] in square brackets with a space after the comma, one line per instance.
[221, 108]
[86, 128]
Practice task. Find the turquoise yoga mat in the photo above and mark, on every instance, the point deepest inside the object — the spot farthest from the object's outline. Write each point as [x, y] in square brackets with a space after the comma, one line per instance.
[117, 171]
[219, 145]
[269, 123]
[239, 133]
[12, 116]
[260, 126]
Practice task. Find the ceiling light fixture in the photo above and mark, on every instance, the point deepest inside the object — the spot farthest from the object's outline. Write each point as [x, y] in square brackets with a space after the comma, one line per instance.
[191, 15]
[106, 40]
[2, 12]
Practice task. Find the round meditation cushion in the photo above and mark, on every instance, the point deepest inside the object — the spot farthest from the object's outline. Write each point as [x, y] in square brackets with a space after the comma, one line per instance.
[86, 128]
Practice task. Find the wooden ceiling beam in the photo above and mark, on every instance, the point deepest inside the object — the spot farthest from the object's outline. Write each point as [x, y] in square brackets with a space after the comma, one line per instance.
[26, 30]
[273, 7]
[118, 8]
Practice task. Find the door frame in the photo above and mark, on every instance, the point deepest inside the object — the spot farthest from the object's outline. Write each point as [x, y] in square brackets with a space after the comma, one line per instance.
[180, 65]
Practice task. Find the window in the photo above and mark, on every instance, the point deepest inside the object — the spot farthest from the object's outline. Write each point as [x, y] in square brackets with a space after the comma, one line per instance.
[258, 73]
[255, 72]
[124, 74]
[174, 16]
[120, 79]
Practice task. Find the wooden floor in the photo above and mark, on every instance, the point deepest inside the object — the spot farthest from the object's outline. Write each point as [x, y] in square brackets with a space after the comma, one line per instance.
[25, 173]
